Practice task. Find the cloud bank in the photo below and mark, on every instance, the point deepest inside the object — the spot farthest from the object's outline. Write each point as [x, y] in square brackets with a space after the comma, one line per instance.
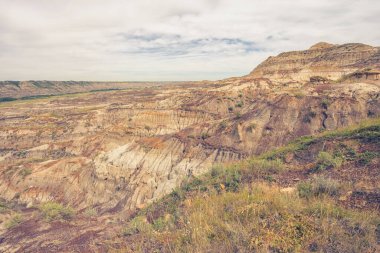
[168, 39]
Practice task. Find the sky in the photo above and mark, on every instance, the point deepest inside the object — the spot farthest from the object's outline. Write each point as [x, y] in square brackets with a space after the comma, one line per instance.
[167, 40]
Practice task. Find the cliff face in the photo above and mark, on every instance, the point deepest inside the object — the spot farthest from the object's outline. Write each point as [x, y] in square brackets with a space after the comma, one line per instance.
[117, 151]
[325, 60]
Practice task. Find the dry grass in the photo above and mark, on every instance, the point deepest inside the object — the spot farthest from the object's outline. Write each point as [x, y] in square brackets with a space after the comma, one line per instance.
[260, 218]
[235, 209]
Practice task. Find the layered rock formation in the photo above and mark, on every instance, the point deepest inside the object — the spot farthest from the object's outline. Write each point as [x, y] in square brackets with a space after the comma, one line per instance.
[324, 60]
[118, 151]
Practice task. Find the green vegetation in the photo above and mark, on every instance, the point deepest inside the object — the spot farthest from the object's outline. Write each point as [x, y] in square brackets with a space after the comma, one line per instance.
[3, 206]
[326, 160]
[90, 212]
[14, 221]
[308, 116]
[25, 172]
[230, 109]
[241, 207]
[36, 97]
[56, 211]
[325, 103]
[299, 95]
[204, 136]
[102, 90]
[222, 125]
[318, 186]
[367, 157]
[258, 218]
[7, 99]
[238, 115]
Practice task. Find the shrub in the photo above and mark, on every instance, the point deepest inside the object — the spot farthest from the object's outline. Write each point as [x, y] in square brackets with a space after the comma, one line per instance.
[3, 206]
[137, 225]
[322, 185]
[25, 172]
[307, 117]
[239, 104]
[204, 136]
[366, 157]
[14, 221]
[223, 125]
[238, 115]
[193, 184]
[159, 224]
[305, 189]
[318, 186]
[7, 99]
[326, 160]
[230, 108]
[264, 167]
[216, 170]
[56, 211]
[299, 95]
[225, 178]
[90, 212]
[325, 103]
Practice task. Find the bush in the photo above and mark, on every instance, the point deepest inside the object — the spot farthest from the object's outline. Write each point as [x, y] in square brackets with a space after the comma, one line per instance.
[25, 172]
[299, 95]
[325, 103]
[14, 221]
[230, 108]
[305, 189]
[307, 117]
[322, 185]
[223, 125]
[366, 157]
[318, 186]
[159, 224]
[3, 206]
[204, 136]
[238, 115]
[7, 99]
[56, 211]
[216, 170]
[137, 225]
[264, 167]
[326, 160]
[225, 178]
[90, 212]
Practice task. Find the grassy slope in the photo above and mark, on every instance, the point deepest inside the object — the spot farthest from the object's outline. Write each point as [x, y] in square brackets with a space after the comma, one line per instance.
[295, 198]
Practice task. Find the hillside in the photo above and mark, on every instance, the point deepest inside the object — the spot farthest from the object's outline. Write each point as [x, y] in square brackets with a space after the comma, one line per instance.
[76, 168]
[317, 194]
[12, 90]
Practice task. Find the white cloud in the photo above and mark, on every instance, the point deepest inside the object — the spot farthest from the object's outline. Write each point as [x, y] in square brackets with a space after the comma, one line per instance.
[168, 39]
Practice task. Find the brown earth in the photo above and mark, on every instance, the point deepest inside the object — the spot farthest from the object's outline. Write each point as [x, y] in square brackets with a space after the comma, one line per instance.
[118, 151]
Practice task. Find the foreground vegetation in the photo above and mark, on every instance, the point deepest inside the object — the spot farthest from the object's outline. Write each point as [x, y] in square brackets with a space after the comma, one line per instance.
[250, 207]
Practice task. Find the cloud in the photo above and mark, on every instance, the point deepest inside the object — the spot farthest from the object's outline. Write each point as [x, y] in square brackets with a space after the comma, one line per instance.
[168, 39]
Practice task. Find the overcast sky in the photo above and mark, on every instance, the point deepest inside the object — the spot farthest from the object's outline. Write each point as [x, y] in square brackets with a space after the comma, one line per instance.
[169, 39]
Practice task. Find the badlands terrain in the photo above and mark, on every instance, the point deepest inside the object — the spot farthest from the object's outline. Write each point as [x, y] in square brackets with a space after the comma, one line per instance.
[95, 167]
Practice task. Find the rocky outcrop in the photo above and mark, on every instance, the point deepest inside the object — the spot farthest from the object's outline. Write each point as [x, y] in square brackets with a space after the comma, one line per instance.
[323, 59]
[120, 150]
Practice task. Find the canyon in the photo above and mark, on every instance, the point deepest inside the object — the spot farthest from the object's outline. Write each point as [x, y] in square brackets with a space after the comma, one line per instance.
[116, 148]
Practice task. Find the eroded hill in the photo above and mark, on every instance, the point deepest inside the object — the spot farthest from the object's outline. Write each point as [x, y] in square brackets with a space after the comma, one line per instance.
[112, 153]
